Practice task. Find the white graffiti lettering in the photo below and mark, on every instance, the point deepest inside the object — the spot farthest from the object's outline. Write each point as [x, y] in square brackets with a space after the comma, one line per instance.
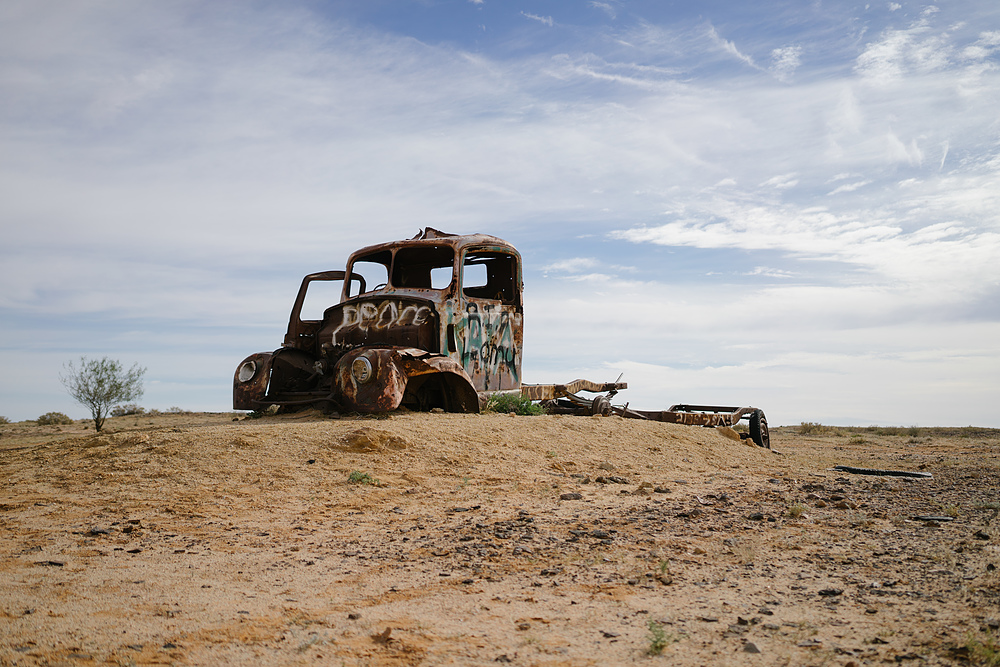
[371, 316]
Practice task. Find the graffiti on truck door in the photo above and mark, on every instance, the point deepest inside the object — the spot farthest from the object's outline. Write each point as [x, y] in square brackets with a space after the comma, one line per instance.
[489, 348]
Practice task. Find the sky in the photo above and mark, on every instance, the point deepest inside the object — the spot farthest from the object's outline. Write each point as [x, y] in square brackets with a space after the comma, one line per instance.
[793, 205]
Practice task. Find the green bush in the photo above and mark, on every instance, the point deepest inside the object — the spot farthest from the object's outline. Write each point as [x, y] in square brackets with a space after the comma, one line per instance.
[53, 418]
[99, 384]
[127, 409]
[4, 420]
[516, 403]
[812, 428]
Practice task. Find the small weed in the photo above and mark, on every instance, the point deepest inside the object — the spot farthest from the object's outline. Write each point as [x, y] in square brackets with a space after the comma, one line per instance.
[358, 477]
[985, 651]
[4, 420]
[858, 440]
[745, 552]
[658, 638]
[516, 403]
[664, 567]
[950, 510]
[796, 510]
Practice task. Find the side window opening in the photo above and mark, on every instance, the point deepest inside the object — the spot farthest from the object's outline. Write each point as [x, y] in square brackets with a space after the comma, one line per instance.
[373, 268]
[427, 267]
[490, 275]
[320, 295]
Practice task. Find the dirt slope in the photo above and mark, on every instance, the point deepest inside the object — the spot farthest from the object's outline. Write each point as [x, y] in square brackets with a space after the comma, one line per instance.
[199, 540]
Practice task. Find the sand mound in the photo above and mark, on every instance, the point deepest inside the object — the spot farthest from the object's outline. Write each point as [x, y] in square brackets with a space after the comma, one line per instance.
[372, 440]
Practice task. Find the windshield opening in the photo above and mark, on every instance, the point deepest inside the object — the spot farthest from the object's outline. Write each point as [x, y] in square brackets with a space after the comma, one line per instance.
[426, 267]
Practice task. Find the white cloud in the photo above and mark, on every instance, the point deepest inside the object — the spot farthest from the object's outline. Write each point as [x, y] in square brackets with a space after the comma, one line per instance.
[782, 181]
[545, 20]
[573, 265]
[784, 62]
[604, 7]
[729, 47]
[768, 272]
[848, 187]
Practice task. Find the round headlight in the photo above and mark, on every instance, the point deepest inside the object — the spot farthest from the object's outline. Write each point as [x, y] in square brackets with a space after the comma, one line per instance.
[361, 369]
[247, 371]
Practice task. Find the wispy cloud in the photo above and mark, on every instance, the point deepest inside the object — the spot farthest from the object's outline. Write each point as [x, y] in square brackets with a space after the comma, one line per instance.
[545, 20]
[784, 61]
[604, 7]
[729, 47]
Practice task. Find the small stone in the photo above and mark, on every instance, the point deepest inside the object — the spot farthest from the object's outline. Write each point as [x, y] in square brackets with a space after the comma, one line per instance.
[354, 616]
[756, 516]
[821, 503]
[830, 592]
[524, 626]
[750, 647]
[661, 489]
[981, 535]
[571, 496]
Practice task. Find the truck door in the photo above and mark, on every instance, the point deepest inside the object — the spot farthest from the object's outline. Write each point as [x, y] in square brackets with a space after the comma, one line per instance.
[490, 335]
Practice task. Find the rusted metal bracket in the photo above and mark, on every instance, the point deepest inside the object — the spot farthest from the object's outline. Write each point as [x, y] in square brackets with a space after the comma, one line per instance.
[549, 392]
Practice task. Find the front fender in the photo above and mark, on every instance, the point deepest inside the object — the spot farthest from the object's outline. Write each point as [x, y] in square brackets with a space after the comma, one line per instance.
[250, 381]
[392, 370]
[382, 391]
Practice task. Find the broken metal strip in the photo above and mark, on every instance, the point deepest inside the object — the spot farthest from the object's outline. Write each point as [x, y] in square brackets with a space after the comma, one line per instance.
[548, 392]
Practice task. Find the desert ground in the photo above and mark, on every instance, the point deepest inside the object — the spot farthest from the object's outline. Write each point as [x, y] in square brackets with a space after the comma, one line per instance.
[430, 539]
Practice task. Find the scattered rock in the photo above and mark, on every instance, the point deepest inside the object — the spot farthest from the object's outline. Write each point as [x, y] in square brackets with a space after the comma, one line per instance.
[382, 637]
[750, 647]
[571, 496]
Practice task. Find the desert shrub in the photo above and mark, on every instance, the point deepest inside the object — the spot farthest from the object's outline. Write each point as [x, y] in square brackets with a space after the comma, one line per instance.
[99, 384]
[4, 420]
[178, 411]
[53, 418]
[813, 428]
[128, 409]
[516, 403]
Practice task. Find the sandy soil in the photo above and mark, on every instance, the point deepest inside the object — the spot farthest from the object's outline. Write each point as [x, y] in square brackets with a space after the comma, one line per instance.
[485, 539]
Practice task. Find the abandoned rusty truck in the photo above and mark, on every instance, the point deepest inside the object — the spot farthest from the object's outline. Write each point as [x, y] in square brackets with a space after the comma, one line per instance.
[434, 321]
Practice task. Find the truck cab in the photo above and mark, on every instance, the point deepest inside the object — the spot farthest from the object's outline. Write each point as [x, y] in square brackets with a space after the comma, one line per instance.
[430, 322]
